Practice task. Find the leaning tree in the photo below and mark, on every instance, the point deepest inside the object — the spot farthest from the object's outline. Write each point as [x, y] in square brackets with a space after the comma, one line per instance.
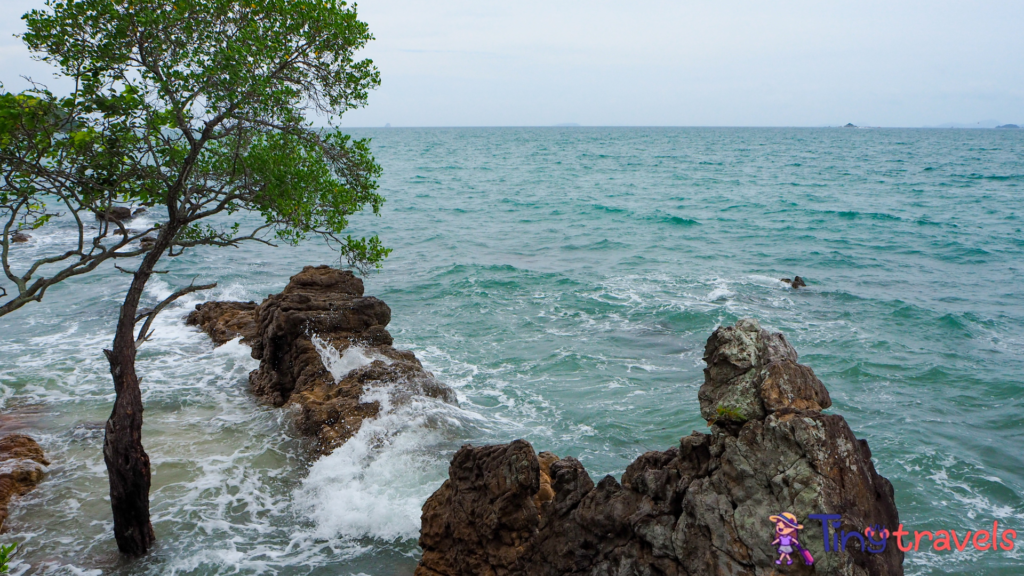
[198, 110]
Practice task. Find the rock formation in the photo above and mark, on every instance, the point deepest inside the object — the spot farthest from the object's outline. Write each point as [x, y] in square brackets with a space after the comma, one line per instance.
[698, 509]
[225, 321]
[795, 282]
[321, 307]
[22, 466]
[115, 214]
[20, 237]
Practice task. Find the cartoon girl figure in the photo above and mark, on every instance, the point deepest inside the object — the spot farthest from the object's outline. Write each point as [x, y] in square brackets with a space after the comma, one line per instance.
[786, 541]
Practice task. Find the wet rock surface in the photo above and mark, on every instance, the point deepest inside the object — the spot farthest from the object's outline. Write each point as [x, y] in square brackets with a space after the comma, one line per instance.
[322, 313]
[701, 508]
[225, 321]
[22, 467]
[115, 214]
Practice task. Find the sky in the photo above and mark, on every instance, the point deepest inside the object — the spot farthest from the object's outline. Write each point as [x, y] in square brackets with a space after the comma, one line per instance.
[674, 63]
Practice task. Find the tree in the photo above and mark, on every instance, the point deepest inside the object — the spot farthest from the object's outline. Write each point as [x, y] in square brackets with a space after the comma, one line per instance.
[197, 108]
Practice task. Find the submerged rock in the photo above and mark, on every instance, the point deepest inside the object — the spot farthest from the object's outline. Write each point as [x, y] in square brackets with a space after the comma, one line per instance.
[22, 467]
[20, 237]
[795, 282]
[322, 312]
[701, 508]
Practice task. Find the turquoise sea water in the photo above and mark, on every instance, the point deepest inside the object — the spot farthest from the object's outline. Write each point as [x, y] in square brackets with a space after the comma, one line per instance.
[564, 281]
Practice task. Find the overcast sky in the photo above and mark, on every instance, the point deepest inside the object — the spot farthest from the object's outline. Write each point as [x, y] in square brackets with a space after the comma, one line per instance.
[678, 63]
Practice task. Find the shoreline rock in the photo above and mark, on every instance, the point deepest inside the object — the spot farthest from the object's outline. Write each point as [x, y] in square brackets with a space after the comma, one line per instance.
[22, 466]
[322, 309]
[697, 509]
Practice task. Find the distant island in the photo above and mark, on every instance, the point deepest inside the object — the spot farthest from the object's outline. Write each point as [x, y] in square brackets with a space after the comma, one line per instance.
[1007, 126]
[850, 125]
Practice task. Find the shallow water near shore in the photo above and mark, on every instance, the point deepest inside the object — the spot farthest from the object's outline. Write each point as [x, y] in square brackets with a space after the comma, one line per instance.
[564, 282]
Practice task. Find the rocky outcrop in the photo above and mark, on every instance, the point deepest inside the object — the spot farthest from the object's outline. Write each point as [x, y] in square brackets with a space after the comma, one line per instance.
[698, 509]
[20, 237]
[22, 466]
[322, 313]
[225, 321]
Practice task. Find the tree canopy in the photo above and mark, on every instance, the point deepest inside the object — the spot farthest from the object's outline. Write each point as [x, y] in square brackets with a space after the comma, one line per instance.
[204, 107]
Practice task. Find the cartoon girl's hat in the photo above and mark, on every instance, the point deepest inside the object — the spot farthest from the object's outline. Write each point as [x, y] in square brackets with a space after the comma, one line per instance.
[787, 519]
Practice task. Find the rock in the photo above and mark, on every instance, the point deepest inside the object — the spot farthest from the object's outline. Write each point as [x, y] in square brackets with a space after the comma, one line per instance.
[321, 307]
[115, 214]
[850, 125]
[138, 211]
[22, 467]
[225, 321]
[796, 282]
[699, 509]
[20, 237]
[751, 373]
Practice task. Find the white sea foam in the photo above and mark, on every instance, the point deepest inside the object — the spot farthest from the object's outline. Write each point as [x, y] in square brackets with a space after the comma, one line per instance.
[720, 293]
[339, 364]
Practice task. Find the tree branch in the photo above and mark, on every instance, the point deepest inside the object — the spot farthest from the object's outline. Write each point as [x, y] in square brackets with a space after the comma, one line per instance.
[144, 333]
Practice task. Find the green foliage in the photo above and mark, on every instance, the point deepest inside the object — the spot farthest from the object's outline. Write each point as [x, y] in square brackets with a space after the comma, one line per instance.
[5, 556]
[200, 106]
[729, 413]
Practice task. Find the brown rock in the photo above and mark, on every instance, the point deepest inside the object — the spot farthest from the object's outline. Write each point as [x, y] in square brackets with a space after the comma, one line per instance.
[115, 214]
[795, 282]
[22, 467]
[328, 305]
[225, 321]
[700, 509]
[20, 237]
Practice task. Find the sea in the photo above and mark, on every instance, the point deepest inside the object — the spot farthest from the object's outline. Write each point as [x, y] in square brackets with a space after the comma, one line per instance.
[564, 282]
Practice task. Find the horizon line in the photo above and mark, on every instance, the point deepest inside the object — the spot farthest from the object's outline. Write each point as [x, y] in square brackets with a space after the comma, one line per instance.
[858, 126]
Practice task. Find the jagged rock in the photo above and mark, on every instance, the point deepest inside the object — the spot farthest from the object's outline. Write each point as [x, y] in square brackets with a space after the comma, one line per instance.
[698, 509]
[115, 214]
[751, 373]
[22, 467]
[138, 211]
[20, 237]
[324, 307]
[225, 321]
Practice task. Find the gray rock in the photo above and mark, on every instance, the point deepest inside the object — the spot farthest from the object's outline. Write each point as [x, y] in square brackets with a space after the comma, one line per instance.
[699, 509]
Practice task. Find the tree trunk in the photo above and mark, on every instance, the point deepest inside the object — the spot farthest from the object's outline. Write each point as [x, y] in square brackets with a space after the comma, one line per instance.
[126, 459]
